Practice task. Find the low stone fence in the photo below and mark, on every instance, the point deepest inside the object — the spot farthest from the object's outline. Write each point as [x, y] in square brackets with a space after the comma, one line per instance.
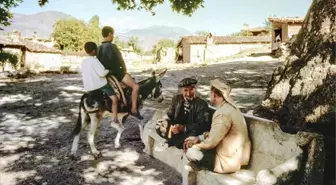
[276, 158]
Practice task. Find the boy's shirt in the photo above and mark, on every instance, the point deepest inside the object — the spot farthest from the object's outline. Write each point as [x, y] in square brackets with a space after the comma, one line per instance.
[111, 58]
[93, 73]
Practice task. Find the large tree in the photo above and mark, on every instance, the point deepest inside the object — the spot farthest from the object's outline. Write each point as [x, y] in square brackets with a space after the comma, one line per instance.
[301, 94]
[180, 6]
[94, 30]
[70, 34]
[5, 14]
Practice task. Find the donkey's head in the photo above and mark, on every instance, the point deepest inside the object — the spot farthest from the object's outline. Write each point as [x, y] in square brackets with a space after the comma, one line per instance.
[151, 87]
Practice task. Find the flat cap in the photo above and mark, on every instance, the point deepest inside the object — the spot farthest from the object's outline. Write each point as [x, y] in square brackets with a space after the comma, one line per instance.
[187, 82]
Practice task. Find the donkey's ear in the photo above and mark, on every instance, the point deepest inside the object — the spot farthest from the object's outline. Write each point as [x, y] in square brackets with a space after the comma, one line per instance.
[162, 73]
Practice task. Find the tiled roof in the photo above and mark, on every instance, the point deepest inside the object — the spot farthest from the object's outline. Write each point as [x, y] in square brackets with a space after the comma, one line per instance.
[298, 20]
[258, 29]
[226, 39]
[31, 46]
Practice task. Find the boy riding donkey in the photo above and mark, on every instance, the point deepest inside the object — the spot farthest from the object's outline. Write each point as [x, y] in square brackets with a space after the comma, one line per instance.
[111, 58]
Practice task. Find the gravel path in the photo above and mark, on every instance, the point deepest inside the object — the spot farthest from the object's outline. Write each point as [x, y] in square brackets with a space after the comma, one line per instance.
[37, 115]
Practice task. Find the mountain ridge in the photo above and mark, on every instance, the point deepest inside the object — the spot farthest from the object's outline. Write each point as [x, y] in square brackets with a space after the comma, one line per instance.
[148, 36]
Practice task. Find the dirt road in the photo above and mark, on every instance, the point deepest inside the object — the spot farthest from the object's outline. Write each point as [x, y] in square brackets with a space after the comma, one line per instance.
[37, 115]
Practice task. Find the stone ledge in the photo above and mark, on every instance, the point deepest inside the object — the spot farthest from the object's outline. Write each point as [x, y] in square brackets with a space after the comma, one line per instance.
[277, 157]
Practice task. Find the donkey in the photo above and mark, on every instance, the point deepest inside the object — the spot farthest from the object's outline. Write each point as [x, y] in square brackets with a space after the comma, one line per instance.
[95, 106]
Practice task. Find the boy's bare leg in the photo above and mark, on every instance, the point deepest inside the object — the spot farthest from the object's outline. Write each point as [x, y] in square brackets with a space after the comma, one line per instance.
[128, 80]
[114, 99]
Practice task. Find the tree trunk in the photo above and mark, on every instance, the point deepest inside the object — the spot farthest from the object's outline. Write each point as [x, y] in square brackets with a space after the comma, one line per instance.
[301, 94]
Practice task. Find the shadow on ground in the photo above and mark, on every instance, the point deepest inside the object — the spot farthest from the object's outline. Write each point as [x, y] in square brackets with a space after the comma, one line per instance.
[38, 114]
[37, 117]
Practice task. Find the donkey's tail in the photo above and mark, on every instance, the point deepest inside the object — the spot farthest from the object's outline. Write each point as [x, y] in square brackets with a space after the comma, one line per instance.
[78, 126]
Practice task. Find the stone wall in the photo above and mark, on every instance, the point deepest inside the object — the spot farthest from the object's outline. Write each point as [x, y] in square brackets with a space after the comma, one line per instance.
[218, 51]
[43, 61]
[72, 62]
[276, 157]
[170, 56]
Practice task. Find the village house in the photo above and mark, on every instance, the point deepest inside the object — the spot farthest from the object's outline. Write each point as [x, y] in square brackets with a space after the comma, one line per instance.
[48, 42]
[195, 49]
[283, 29]
[32, 56]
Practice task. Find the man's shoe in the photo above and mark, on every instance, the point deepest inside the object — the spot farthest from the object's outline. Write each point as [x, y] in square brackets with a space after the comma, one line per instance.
[136, 115]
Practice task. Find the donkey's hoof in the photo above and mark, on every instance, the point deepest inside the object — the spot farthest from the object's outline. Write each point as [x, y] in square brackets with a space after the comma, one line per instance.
[116, 145]
[73, 157]
[97, 155]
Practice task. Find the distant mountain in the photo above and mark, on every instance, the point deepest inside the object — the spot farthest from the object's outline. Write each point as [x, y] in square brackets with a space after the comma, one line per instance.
[151, 35]
[41, 23]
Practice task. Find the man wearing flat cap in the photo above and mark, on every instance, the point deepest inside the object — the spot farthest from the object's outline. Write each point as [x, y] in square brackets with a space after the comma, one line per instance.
[227, 146]
[187, 113]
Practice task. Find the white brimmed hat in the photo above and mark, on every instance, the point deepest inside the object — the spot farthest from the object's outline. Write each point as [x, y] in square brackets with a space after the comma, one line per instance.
[225, 89]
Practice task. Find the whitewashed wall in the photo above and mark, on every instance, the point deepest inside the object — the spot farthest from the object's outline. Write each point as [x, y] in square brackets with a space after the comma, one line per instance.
[72, 62]
[43, 61]
[218, 51]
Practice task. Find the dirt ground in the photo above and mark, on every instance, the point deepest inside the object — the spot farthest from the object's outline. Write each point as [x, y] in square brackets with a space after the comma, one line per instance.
[38, 114]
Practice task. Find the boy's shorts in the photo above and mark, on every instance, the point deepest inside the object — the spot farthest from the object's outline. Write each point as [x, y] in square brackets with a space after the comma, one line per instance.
[118, 74]
[107, 89]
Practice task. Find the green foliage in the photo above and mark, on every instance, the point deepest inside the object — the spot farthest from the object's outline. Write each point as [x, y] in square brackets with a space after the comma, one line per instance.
[94, 30]
[242, 33]
[163, 43]
[180, 6]
[5, 14]
[134, 43]
[119, 43]
[268, 25]
[70, 34]
[11, 58]
[202, 33]
[166, 43]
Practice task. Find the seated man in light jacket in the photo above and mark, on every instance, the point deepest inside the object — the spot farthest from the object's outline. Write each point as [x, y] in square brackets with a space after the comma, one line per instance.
[227, 146]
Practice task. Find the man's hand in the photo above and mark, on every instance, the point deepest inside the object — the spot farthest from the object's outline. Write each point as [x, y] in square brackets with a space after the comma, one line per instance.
[176, 129]
[192, 140]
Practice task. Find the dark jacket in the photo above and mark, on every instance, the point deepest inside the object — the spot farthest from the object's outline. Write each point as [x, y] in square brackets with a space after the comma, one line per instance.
[109, 55]
[198, 121]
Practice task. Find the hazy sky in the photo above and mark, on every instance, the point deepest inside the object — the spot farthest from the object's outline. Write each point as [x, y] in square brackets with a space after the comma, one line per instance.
[218, 16]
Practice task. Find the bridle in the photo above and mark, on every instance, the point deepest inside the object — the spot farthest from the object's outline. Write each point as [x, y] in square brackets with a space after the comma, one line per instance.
[152, 94]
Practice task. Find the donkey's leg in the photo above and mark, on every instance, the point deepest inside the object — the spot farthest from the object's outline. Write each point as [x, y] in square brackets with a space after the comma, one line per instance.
[120, 128]
[140, 125]
[93, 126]
[82, 121]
